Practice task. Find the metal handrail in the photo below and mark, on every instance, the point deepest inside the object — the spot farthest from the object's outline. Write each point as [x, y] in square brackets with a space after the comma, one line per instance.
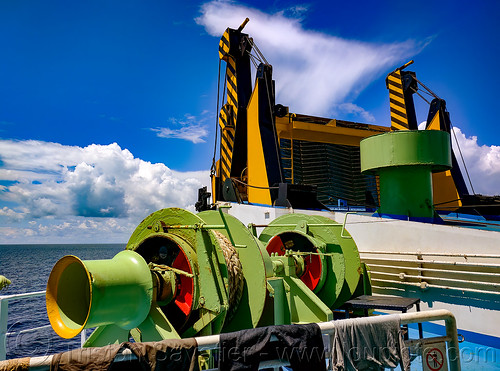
[22, 296]
[425, 284]
[434, 270]
[417, 253]
[4, 316]
[435, 262]
[212, 341]
[443, 279]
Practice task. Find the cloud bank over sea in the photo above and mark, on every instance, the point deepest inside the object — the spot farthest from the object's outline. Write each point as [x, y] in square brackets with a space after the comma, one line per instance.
[52, 189]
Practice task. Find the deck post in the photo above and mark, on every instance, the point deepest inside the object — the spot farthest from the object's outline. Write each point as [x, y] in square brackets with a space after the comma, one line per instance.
[4, 307]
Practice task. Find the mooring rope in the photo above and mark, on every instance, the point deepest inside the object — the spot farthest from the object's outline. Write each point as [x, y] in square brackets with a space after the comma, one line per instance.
[235, 273]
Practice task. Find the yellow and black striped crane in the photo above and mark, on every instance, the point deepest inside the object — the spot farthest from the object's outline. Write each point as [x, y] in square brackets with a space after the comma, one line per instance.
[249, 150]
[270, 156]
[234, 49]
[402, 85]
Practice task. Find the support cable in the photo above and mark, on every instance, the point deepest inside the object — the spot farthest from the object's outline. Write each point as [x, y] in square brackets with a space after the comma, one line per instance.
[420, 95]
[260, 56]
[254, 60]
[462, 157]
[274, 130]
[430, 92]
[252, 186]
[426, 88]
[213, 167]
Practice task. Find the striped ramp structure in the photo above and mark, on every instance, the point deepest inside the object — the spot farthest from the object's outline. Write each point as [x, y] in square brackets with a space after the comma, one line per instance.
[399, 119]
[229, 112]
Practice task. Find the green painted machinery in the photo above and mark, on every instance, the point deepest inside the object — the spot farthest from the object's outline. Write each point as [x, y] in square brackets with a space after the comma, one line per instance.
[405, 161]
[185, 275]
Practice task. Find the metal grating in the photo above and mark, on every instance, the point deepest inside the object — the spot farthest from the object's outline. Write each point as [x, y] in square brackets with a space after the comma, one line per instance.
[333, 168]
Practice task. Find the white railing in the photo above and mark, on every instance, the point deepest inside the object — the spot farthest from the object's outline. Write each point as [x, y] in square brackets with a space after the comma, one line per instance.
[4, 318]
[327, 328]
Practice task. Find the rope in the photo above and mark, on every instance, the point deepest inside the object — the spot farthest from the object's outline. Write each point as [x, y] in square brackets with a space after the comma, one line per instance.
[17, 364]
[252, 186]
[162, 267]
[235, 274]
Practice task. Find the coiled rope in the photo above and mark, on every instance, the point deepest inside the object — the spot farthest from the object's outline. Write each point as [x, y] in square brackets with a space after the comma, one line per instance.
[235, 274]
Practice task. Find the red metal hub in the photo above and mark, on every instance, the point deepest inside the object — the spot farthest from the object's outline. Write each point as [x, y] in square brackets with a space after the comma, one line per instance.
[311, 274]
[185, 288]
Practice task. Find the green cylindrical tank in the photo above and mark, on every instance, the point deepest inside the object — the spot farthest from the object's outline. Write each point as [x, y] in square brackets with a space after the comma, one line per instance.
[404, 161]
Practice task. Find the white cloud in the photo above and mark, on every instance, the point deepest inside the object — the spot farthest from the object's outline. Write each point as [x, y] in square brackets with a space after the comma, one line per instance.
[357, 111]
[315, 73]
[73, 188]
[191, 128]
[11, 214]
[483, 163]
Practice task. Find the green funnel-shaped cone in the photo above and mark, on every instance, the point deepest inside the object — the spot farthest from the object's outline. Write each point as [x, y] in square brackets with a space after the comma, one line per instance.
[83, 294]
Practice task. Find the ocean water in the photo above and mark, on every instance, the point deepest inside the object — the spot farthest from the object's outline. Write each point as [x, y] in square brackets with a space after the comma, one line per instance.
[28, 267]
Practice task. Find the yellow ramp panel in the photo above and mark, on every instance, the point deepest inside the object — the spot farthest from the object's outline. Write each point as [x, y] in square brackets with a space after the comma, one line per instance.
[257, 173]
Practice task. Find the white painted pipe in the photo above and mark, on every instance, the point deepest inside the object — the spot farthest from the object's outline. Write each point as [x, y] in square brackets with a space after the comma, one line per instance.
[461, 272]
[4, 316]
[437, 262]
[212, 341]
[465, 256]
[22, 296]
[427, 278]
[430, 285]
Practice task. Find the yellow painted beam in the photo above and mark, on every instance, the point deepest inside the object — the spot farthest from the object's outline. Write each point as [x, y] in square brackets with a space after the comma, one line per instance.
[329, 133]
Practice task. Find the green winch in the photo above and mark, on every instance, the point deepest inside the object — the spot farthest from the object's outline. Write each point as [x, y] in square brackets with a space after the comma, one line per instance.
[185, 275]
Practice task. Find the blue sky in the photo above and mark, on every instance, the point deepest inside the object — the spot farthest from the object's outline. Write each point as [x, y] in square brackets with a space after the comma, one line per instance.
[108, 108]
